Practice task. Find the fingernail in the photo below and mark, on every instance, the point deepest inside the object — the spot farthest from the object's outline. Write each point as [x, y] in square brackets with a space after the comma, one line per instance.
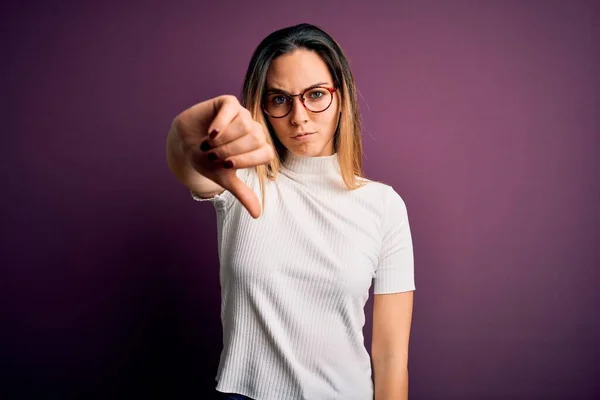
[213, 133]
[228, 164]
[212, 157]
[205, 146]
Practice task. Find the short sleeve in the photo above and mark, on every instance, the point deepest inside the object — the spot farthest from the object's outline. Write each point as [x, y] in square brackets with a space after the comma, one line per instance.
[224, 200]
[395, 270]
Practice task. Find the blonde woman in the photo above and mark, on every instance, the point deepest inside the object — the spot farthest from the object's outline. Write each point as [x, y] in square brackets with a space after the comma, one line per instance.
[302, 233]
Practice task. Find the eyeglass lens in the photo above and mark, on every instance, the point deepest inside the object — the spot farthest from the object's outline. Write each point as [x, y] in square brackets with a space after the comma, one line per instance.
[316, 100]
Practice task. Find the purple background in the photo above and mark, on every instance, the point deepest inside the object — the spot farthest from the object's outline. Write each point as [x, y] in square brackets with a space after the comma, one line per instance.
[483, 116]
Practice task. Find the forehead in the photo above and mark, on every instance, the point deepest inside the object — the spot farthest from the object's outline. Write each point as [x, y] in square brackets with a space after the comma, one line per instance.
[297, 70]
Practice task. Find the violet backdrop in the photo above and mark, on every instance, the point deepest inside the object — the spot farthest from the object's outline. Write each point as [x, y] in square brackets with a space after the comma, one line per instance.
[483, 115]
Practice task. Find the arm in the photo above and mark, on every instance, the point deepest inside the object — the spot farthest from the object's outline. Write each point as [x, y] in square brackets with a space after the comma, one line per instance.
[392, 315]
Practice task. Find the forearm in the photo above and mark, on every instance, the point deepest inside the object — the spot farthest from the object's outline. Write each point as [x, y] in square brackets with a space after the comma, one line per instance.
[391, 380]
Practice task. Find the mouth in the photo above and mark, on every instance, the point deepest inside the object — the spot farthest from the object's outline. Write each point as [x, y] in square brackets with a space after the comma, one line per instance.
[301, 135]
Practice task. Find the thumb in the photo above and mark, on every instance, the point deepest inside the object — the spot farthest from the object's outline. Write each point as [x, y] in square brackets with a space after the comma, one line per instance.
[244, 194]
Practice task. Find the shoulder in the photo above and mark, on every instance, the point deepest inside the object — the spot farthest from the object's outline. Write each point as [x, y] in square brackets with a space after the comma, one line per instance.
[387, 193]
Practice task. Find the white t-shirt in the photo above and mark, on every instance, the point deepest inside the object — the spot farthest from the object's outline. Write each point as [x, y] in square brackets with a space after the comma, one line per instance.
[295, 281]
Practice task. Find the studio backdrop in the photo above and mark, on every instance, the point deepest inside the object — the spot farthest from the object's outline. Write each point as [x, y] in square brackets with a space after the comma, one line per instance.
[483, 116]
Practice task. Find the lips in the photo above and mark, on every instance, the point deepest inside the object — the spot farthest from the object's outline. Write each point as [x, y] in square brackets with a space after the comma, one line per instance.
[303, 134]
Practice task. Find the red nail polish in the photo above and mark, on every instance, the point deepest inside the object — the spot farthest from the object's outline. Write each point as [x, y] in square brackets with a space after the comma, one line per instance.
[205, 146]
[212, 157]
[228, 164]
[213, 133]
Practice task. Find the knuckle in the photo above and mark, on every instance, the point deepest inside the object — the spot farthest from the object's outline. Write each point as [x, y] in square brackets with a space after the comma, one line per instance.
[228, 102]
[258, 133]
[257, 140]
[246, 125]
[229, 98]
[245, 112]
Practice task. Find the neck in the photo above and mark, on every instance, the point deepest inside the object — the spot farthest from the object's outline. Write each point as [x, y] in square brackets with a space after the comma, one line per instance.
[306, 165]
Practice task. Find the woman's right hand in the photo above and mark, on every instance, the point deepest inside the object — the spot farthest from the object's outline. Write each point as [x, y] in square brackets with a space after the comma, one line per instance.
[219, 136]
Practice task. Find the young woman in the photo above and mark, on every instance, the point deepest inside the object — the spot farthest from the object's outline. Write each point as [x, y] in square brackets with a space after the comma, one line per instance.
[296, 266]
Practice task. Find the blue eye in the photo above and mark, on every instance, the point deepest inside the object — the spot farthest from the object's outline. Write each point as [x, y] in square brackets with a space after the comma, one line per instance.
[317, 94]
[278, 100]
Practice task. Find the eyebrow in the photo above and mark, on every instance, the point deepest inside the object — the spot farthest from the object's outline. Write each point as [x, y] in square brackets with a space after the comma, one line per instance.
[278, 90]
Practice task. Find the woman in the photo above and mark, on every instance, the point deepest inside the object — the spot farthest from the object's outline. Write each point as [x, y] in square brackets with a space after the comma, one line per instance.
[296, 266]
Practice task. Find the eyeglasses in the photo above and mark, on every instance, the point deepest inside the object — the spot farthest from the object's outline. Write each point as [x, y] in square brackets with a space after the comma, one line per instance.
[314, 99]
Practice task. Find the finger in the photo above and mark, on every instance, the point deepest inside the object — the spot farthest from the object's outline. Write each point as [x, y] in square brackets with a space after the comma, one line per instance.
[244, 194]
[244, 144]
[241, 125]
[260, 156]
[195, 123]
[226, 110]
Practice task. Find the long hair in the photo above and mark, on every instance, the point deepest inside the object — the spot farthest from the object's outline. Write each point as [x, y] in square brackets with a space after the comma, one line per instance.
[347, 137]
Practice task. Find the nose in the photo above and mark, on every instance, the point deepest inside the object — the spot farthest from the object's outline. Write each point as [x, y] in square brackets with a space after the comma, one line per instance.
[299, 113]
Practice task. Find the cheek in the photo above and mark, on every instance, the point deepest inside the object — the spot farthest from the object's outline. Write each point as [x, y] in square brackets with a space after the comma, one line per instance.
[327, 119]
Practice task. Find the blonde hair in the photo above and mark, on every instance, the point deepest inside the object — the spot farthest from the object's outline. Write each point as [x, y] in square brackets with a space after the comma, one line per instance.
[347, 137]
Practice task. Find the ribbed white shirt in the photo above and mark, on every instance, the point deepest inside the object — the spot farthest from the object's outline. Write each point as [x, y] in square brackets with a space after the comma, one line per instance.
[295, 281]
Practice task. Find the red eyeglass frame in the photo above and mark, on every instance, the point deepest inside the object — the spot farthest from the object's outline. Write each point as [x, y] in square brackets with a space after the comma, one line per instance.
[331, 90]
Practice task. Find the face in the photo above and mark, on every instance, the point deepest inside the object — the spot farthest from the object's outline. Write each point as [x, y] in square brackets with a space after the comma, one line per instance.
[292, 74]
